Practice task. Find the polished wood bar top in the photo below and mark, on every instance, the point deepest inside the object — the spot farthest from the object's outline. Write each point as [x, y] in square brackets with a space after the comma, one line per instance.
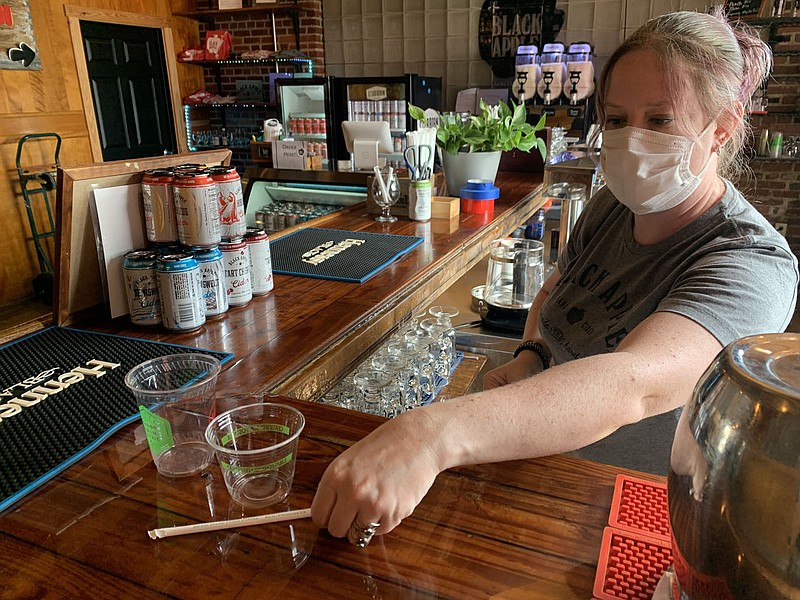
[305, 334]
[527, 529]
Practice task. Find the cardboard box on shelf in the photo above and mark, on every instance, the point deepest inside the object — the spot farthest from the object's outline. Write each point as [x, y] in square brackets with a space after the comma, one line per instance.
[229, 4]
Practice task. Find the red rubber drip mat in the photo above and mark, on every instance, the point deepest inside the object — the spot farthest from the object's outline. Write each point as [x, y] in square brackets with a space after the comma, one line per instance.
[630, 565]
[640, 506]
[636, 548]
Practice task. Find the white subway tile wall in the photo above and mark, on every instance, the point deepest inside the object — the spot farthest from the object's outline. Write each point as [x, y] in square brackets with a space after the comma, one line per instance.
[440, 37]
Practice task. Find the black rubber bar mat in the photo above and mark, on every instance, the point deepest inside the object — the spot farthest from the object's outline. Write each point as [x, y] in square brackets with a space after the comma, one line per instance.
[62, 392]
[353, 256]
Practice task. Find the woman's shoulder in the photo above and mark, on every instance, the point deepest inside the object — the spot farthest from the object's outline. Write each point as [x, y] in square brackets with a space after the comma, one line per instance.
[744, 221]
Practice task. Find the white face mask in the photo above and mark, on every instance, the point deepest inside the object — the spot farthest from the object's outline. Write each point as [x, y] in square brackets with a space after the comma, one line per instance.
[648, 171]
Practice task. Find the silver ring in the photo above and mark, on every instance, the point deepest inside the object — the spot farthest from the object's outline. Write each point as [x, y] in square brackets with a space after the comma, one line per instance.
[361, 535]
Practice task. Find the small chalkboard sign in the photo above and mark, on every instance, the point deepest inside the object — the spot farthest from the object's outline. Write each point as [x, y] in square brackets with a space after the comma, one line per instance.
[745, 8]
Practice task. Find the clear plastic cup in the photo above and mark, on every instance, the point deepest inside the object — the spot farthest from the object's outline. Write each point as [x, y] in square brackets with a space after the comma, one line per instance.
[176, 401]
[256, 447]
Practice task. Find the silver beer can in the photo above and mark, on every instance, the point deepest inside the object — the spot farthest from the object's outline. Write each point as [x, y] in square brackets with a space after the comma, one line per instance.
[260, 261]
[212, 280]
[236, 263]
[159, 206]
[141, 287]
[196, 209]
[182, 305]
[231, 201]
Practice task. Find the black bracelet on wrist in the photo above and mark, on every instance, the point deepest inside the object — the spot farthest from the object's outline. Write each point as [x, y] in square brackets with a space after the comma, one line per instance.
[536, 347]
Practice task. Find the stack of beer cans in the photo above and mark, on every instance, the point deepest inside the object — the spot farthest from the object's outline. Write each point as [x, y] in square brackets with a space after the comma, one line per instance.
[203, 259]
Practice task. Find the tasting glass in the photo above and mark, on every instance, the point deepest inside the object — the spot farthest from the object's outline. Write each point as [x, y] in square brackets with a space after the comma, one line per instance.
[405, 375]
[386, 201]
[426, 353]
[442, 347]
[377, 392]
[445, 316]
[444, 313]
[343, 394]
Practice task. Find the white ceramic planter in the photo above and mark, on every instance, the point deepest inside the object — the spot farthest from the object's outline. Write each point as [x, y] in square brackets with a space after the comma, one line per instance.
[458, 168]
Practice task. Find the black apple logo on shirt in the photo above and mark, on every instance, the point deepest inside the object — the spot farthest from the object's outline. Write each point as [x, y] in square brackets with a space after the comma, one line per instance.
[575, 315]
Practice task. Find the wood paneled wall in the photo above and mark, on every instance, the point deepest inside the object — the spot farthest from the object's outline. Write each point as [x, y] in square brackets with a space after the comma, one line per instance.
[50, 101]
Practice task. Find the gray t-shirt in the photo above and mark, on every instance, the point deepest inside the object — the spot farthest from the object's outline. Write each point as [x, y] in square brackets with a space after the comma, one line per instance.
[728, 270]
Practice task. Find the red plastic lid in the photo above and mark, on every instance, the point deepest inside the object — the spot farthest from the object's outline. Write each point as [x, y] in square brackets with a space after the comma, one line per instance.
[480, 207]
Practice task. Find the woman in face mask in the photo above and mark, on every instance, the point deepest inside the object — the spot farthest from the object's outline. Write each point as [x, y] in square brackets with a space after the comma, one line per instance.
[666, 265]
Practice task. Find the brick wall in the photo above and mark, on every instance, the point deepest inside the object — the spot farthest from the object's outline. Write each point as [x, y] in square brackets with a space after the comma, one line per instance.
[253, 31]
[773, 186]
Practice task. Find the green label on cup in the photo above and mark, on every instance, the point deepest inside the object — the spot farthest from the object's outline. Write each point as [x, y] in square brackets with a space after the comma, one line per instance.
[245, 429]
[255, 469]
[158, 430]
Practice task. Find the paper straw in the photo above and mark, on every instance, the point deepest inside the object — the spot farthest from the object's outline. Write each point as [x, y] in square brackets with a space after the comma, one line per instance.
[381, 183]
[289, 515]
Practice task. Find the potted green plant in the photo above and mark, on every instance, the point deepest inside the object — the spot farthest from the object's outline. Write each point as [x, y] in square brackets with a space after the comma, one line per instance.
[472, 146]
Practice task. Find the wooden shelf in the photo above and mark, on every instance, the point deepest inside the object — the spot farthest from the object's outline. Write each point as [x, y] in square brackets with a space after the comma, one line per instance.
[270, 105]
[235, 60]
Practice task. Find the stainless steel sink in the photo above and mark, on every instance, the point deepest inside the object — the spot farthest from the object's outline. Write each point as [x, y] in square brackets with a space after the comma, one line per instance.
[498, 350]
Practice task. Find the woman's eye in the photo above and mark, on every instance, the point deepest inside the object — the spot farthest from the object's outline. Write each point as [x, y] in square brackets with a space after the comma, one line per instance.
[612, 123]
[661, 121]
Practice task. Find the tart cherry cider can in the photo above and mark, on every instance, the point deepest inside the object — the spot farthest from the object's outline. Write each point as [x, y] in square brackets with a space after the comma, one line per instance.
[236, 262]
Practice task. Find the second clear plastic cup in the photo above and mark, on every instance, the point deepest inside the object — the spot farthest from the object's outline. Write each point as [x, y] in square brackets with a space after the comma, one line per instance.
[256, 447]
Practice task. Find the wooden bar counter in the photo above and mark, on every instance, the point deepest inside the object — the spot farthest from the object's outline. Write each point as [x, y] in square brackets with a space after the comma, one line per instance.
[302, 337]
[524, 529]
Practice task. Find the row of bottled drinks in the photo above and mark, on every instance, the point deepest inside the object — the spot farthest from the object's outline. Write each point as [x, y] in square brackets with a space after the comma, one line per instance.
[408, 370]
[203, 258]
[280, 215]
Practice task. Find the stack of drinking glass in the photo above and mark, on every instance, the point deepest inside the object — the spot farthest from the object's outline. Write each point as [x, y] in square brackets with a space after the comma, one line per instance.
[407, 371]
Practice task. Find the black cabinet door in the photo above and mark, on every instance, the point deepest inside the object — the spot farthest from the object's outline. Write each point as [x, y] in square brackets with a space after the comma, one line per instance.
[130, 90]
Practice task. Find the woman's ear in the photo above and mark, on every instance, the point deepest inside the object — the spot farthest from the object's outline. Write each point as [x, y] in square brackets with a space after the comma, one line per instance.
[728, 122]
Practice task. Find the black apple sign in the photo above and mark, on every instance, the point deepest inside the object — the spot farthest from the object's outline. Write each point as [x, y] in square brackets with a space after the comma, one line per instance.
[24, 53]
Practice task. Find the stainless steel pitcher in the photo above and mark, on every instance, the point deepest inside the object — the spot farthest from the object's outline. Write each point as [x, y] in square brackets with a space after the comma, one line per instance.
[734, 481]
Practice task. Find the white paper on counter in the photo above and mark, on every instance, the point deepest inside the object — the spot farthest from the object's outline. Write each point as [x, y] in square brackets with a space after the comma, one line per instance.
[118, 220]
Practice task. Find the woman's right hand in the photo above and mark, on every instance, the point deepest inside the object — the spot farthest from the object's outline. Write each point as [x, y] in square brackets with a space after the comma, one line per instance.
[517, 369]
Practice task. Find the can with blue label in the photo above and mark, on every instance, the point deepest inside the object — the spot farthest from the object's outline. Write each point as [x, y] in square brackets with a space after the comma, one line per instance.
[141, 287]
[212, 280]
[182, 305]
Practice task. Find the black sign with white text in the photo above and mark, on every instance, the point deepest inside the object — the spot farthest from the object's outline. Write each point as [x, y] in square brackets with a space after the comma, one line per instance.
[505, 25]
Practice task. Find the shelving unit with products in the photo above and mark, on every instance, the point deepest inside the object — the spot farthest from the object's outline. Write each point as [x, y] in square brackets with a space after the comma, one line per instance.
[238, 121]
[772, 184]
[243, 84]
